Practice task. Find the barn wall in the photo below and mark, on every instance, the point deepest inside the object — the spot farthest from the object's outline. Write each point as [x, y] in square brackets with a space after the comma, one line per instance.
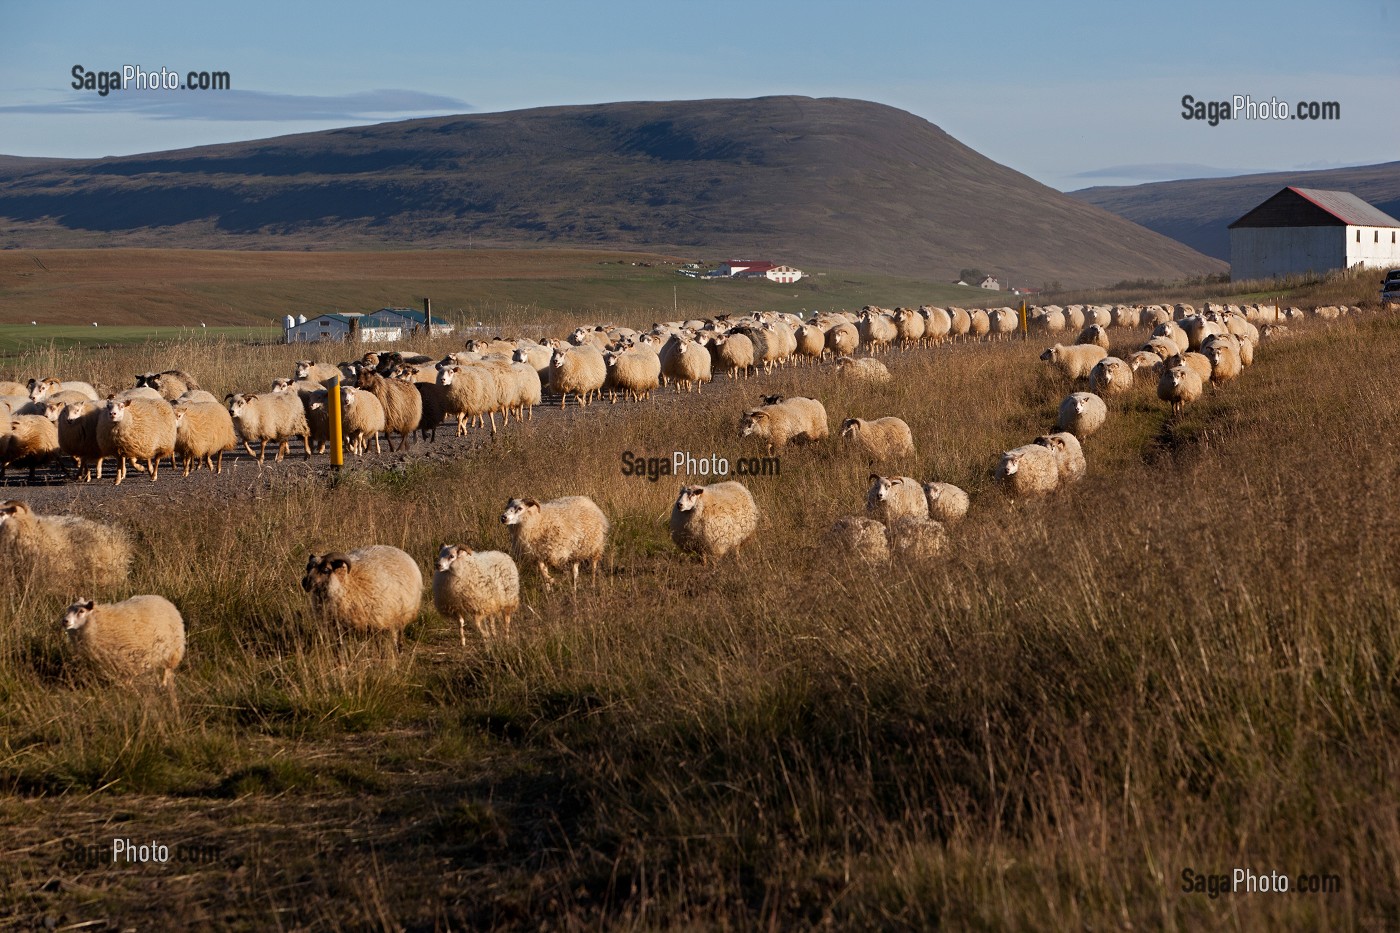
[1266, 252]
[1378, 255]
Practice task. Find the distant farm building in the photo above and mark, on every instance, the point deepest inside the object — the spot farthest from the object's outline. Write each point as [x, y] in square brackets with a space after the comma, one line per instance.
[383, 326]
[1303, 231]
[991, 283]
[756, 269]
[415, 322]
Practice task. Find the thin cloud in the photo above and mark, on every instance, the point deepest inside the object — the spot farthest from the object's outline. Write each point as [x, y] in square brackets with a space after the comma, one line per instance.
[248, 106]
[1159, 170]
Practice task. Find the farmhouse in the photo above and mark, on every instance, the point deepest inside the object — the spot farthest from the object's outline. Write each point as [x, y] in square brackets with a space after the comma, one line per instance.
[756, 269]
[991, 283]
[350, 325]
[785, 275]
[415, 321]
[1308, 230]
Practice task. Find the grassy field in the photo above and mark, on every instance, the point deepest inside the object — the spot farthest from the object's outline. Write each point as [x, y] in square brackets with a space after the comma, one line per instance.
[184, 288]
[1190, 660]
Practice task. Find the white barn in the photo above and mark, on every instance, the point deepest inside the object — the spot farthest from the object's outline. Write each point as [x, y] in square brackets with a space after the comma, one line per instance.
[1311, 231]
[351, 325]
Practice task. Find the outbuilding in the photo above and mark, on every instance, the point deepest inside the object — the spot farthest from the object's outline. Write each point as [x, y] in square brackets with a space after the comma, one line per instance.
[1309, 231]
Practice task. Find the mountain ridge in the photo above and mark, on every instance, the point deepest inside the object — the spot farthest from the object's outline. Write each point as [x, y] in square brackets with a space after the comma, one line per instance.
[831, 182]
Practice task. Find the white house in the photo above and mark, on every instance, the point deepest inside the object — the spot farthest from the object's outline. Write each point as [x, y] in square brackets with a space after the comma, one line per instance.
[785, 275]
[413, 321]
[991, 283]
[1308, 230]
[351, 325]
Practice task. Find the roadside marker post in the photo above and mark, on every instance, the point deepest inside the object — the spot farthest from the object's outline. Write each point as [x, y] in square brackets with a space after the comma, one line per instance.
[1025, 329]
[337, 448]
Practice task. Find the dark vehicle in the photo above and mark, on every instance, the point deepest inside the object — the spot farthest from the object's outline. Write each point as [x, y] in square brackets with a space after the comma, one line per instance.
[1390, 288]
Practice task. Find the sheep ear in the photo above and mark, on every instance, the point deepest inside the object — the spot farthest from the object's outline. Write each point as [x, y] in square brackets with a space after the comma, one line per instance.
[87, 604]
[339, 564]
[531, 503]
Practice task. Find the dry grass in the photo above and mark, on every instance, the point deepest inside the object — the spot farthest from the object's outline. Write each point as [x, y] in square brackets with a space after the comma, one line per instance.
[1188, 660]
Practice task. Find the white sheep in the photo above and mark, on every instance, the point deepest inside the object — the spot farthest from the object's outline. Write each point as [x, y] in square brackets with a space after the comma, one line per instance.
[138, 637]
[1075, 361]
[560, 534]
[635, 374]
[29, 440]
[1179, 385]
[798, 419]
[272, 416]
[916, 540]
[581, 371]
[1081, 414]
[480, 584]
[881, 439]
[865, 369]
[946, 503]
[61, 550]
[713, 520]
[892, 497]
[1111, 376]
[203, 431]
[864, 540]
[1069, 455]
[372, 589]
[1028, 471]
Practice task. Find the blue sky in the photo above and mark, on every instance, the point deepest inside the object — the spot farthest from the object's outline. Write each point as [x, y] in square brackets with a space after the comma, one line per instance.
[1072, 97]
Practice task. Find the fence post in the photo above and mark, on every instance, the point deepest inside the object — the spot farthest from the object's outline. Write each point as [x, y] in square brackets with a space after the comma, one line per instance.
[333, 405]
[1025, 328]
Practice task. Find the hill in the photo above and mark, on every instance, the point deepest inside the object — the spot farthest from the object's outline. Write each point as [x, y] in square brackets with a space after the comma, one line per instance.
[841, 183]
[1198, 211]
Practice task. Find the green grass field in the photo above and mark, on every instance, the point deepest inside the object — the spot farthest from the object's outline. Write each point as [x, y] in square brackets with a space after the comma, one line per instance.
[18, 340]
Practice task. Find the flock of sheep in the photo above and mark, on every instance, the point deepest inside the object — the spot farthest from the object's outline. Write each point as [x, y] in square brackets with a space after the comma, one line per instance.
[379, 589]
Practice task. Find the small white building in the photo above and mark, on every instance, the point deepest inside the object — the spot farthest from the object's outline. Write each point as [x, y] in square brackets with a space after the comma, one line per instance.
[991, 283]
[414, 321]
[351, 325]
[1302, 231]
[784, 275]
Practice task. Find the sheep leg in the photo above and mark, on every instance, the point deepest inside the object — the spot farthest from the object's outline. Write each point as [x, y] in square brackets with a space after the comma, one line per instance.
[461, 427]
[154, 467]
[575, 569]
[306, 444]
[121, 471]
[483, 626]
[188, 462]
[376, 442]
[544, 572]
[462, 629]
[99, 468]
[493, 422]
[249, 447]
[220, 470]
[403, 440]
[262, 452]
[505, 628]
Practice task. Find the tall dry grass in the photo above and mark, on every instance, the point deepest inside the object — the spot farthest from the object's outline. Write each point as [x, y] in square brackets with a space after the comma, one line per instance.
[1190, 660]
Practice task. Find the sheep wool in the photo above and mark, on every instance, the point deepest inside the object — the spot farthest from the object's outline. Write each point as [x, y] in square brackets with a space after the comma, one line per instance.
[374, 589]
[1081, 414]
[880, 439]
[557, 535]
[1069, 456]
[480, 584]
[1028, 471]
[863, 540]
[946, 503]
[894, 497]
[917, 540]
[713, 520]
[138, 637]
[61, 551]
